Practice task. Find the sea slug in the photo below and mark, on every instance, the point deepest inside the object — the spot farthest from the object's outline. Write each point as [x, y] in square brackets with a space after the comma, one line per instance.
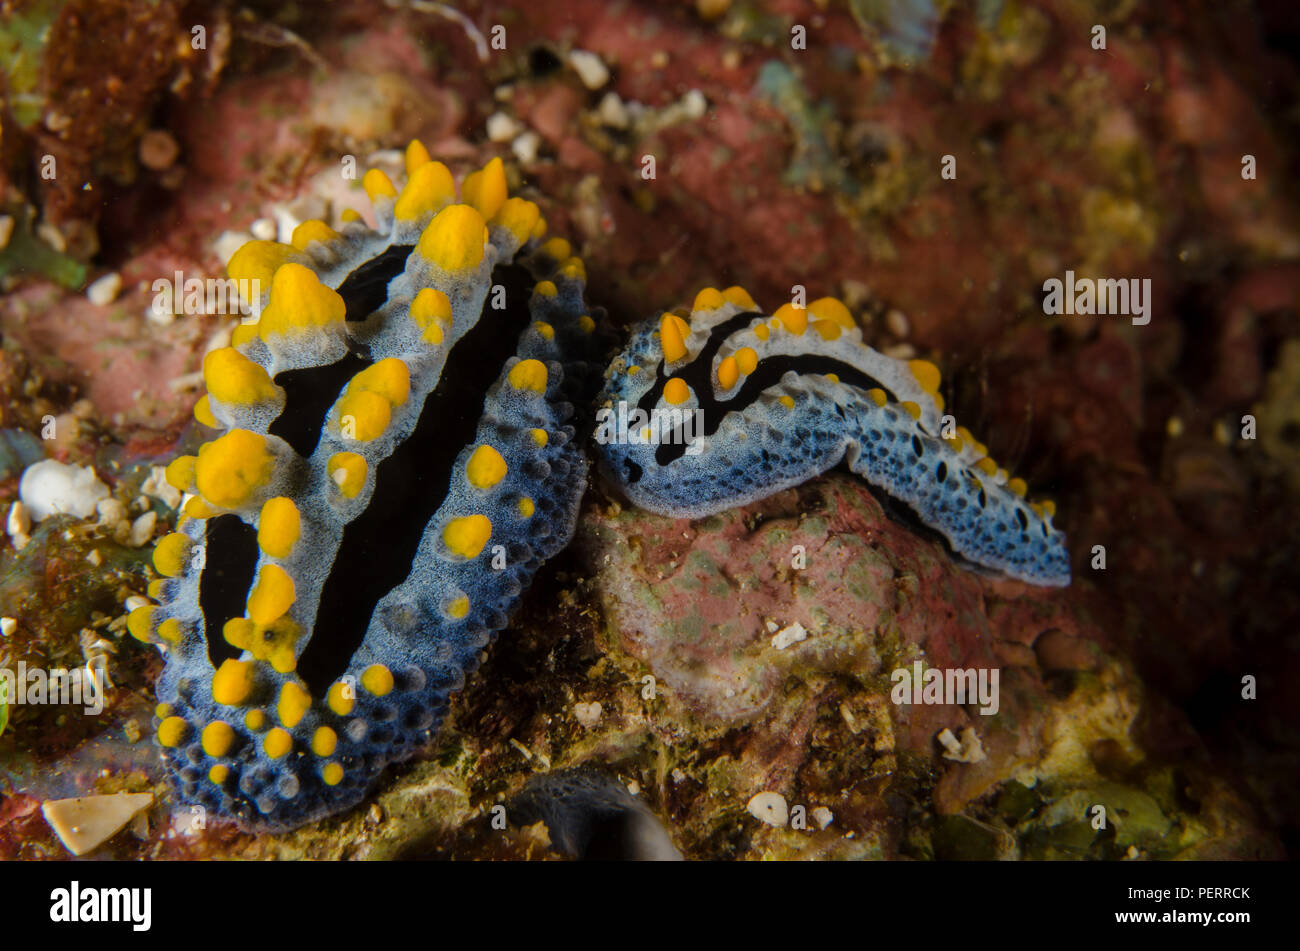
[733, 405]
[391, 460]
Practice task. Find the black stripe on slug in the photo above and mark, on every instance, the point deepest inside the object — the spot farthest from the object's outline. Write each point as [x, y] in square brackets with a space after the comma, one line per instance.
[379, 545]
[698, 374]
[229, 559]
[365, 289]
[309, 393]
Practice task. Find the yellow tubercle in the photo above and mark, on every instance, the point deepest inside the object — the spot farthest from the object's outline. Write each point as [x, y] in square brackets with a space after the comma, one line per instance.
[429, 189]
[455, 239]
[528, 375]
[324, 741]
[390, 378]
[927, 375]
[331, 774]
[878, 396]
[272, 595]
[277, 742]
[829, 308]
[747, 360]
[233, 378]
[586, 324]
[180, 473]
[526, 507]
[349, 215]
[546, 289]
[378, 186]
[299, 303]
[466, 536]
[912, 409]
[363, 415]
[231, 468]
[312, 230]
[1018, 486]
[786, 401]
[827, 329]
[171, 553]
[762, 332]
[155, 589]
[293, 704]
[140, 622]
[255, 720]
[673, 332]
[539, 437]
[710, 298]
[794, 319]
[243, 334]
[347, 470]
[676, 391]
[337, 698]
[740, 297]
[203, 413]
[233, 682]
[217, 738]
[377, 679]
[545, 329]
[172, 731]
[278, 527]
[1049, 507]
[574, 269]
[259, 260]
[458, 607]
[486, 189]
[519, 217]
[219, 773]
[416, 156]
[728, 372]
[557, 249]
[171, 630]
[987, 466]
[485, 468]
[196, 508]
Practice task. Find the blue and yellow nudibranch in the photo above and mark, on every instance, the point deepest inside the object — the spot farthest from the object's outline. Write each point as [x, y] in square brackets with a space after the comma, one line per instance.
[782, 398]
[392, 458]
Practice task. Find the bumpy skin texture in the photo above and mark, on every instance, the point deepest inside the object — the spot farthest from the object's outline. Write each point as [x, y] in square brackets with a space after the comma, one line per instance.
[393, 461]
[784, 398]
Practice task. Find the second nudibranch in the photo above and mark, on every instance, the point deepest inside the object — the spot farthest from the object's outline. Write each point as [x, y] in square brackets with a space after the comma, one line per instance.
[732, 405]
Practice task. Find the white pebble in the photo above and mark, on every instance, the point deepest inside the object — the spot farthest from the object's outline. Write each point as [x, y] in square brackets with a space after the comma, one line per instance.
[897, 323]
[110, 512]
[104, 291]
[612, 112]
[792, 634]
[142, 529]
[49, 487]
[227, 243]
[263, 229]
[94, 557]
[769, 807]
[591, 69]
[588, 714]
[157, 486]
[694, 104]
[7, 626]
[502, 128]
[135, 601]
[823, 817]
[19, 521]
[525, 147]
